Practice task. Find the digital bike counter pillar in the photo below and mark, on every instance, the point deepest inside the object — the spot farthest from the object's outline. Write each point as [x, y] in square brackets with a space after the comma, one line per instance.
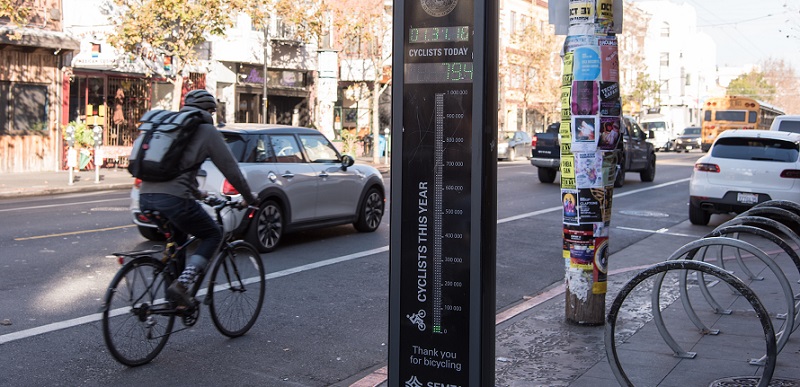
[443, 193]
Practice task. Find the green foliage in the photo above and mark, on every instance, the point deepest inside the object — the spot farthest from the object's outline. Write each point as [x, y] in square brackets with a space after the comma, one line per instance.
[643, 89]
[754, 85]
[349, 139]
[84, 137]
[16, 11]
[174, 27]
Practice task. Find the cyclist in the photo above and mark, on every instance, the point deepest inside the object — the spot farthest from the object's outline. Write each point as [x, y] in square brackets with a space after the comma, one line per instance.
[176, 199]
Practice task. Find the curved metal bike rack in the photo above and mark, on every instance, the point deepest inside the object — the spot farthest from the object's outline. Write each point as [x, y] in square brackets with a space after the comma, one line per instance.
[777, 221]
[707, 268]
[782, 336]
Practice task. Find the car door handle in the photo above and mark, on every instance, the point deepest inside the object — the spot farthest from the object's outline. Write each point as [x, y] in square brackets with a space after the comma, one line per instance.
[324, 174]
[287, 175]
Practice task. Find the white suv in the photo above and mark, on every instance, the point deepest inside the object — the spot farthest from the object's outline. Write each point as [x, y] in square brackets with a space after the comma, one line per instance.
[744, 168]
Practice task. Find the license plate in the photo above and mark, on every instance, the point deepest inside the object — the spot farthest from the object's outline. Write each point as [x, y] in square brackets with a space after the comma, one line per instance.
[689, 147]
[747, 198]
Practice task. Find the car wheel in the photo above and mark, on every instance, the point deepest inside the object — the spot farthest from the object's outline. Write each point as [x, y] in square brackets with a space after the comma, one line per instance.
[151, 233]
[266, 228]
[649, 174]
[371, 211]
[546, 175]
[698, 215]
[512, 154]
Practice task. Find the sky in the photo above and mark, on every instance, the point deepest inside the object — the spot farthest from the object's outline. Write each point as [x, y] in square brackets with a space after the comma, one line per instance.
[748, 31]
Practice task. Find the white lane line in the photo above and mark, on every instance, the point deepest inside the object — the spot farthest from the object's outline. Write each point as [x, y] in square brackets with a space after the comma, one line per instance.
[97, 316]
[659, 231]
[61, 205]
[615, 195]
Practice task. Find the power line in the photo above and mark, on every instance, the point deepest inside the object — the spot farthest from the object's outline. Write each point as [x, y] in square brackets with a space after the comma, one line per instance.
[737, 22]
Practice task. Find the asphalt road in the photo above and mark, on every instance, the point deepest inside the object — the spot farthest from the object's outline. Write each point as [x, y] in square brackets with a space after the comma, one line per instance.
[325, 316]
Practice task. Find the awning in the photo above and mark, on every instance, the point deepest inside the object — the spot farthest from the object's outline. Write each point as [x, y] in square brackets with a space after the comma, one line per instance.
[30, 37]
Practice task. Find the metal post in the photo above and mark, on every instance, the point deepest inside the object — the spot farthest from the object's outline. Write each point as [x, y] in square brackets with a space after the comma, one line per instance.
[265, 101]
[591, 130]
[71, 153]
[98, 157]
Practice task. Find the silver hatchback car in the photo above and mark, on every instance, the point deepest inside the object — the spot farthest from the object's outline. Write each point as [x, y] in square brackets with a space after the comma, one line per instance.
[301, 180]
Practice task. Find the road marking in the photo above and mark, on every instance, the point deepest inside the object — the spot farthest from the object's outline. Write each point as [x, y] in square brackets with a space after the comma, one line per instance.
[60, 205]
[615, 195]
[551, 293]
[659, 231]
[74, 233]
[23, 334]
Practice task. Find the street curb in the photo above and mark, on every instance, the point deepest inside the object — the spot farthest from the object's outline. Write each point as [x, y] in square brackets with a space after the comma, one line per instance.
[21, 192]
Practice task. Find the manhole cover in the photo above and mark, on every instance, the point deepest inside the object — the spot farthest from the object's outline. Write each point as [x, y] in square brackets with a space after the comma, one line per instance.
[649, 214]
[747, 381]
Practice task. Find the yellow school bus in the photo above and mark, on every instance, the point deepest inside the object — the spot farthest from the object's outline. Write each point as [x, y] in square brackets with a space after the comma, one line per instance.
[734, 112]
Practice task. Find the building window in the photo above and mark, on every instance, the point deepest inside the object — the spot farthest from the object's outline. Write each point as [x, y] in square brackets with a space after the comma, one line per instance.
[513, 23]
[664, 59]
[664, 30]
[24, 108]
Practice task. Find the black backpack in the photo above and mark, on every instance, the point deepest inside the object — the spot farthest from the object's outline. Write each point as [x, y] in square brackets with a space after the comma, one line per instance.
[163, 137]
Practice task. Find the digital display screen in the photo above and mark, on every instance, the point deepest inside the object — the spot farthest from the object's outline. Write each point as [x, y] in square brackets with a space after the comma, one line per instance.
[439, 72]
[438, 34]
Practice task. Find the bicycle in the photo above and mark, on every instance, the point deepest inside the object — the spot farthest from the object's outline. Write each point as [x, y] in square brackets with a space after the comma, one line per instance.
[138, 318]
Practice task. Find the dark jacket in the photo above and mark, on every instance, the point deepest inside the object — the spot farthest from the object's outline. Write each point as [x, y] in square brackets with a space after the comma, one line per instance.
[206, 142]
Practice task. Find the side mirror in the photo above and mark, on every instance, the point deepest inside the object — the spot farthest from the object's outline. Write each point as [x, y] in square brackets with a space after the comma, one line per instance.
[652, 134]
[347, 161]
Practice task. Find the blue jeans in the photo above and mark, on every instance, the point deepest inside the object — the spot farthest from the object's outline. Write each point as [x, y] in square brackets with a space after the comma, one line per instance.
[187, 217]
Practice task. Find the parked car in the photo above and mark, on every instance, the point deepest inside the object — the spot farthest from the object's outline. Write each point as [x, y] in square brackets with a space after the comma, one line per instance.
[786, 123]
[689, 139]
[636, 154]
[744, 168]
[300, 178]
[511, 144]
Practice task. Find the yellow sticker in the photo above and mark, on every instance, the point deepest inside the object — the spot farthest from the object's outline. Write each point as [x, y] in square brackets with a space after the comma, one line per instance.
[599, 287]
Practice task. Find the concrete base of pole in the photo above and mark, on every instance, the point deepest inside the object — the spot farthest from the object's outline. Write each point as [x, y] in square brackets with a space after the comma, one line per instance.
[585, 312]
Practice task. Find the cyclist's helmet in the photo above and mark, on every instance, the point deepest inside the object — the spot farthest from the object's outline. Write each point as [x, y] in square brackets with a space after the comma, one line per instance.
[200, 99]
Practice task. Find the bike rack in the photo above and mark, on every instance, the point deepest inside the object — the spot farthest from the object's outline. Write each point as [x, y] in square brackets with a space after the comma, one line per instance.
[682, 264]
[776, 221]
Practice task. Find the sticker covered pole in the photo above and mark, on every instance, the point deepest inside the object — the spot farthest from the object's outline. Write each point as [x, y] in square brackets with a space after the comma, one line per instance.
[590, 148]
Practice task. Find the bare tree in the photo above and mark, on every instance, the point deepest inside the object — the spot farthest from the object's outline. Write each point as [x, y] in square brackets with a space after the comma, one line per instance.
[364, 30]
[534, 68]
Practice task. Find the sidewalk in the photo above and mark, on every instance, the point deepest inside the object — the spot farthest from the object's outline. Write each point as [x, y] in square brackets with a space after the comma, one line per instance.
[13, 185]
[535, 346]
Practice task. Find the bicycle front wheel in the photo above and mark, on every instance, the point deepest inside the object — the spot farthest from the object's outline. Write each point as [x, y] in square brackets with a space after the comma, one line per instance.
[133, 329]
[236, 289]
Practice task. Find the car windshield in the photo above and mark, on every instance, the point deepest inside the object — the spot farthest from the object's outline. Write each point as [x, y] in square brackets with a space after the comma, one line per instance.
[657, 125]
[691, 131]
[763, 149]
[789, 126]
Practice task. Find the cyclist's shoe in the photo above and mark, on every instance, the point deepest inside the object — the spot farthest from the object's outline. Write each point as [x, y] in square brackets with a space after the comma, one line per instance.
[178, 293]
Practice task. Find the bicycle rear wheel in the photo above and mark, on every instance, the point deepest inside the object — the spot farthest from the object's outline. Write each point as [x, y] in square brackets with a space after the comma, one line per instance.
[133, 333]
[236, 289]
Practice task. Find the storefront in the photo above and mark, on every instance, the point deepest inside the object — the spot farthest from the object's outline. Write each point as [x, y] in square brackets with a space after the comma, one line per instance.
[31, 70]
[287, 93]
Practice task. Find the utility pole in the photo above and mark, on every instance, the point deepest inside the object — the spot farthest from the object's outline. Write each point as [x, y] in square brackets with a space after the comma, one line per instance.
[591, 129]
